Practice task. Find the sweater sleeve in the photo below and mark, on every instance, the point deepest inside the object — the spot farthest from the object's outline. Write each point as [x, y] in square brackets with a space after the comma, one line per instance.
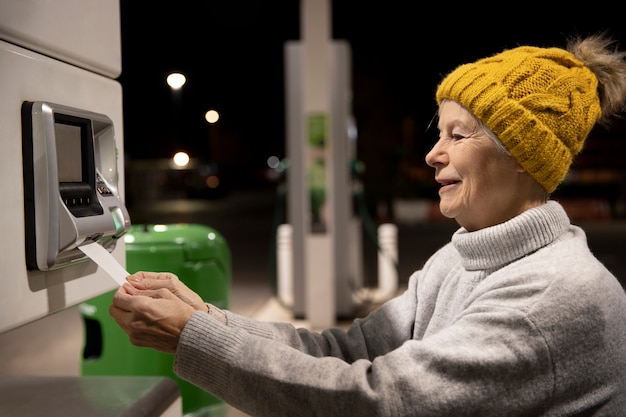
[383, 330]
[271, 369]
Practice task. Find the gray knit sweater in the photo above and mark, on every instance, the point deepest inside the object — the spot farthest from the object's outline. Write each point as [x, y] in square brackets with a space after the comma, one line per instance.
[519, 319]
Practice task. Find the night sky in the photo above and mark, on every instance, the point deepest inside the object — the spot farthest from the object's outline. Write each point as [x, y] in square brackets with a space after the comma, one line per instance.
[232, 55]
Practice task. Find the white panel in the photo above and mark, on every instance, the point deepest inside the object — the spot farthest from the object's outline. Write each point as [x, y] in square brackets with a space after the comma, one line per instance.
[85, 33]
[340, 181]
[298, 200]
[25, 75]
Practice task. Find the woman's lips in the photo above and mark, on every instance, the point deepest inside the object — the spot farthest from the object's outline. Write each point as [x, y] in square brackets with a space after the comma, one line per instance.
[447, 185]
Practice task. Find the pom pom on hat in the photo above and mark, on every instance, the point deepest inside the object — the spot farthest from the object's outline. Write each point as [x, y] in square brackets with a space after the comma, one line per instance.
[541, 102]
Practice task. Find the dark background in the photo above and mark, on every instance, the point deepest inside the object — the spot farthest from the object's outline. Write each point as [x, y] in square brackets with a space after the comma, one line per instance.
[232, 54]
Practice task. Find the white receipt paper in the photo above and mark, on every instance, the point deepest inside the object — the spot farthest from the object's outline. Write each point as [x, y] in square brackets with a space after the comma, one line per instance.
[106, 261]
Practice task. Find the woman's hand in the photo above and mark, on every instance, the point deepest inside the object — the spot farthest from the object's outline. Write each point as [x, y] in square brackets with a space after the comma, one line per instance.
[154, 310]
[157, 280]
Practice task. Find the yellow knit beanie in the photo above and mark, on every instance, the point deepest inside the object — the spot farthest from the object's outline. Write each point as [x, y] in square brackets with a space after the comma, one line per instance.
[541, 102]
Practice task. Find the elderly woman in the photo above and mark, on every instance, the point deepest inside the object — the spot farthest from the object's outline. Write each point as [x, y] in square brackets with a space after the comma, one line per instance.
[514, 317]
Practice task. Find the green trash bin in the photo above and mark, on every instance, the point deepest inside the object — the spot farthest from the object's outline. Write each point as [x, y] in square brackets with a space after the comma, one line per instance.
[200, 257]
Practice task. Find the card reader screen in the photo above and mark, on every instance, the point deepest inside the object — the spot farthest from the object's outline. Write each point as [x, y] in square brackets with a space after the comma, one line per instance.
[69, 152]
[76, 170]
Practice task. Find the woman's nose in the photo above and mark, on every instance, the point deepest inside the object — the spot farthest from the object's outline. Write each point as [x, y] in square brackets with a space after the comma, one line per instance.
[436, 155]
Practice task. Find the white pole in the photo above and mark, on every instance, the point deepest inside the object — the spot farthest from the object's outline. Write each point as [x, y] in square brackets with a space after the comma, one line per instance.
[387, 269]
[284, 264]
[388, 259]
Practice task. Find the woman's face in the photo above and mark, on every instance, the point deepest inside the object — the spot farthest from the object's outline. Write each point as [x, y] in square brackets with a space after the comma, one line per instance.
[480, 185]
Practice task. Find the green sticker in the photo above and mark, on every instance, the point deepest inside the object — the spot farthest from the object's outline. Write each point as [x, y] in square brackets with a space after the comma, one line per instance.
[317, 129]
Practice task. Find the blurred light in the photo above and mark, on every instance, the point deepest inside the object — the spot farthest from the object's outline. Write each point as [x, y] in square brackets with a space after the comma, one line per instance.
[160, 228]
[284, 164]
[176, 80]
[88, 310]
[181, 159]
[273, 161]
[212, 181]
[212, 116]
[352, 132]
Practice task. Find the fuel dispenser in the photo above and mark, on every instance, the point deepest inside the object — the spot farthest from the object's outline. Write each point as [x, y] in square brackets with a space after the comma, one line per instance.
[62, 179]
[319, 252]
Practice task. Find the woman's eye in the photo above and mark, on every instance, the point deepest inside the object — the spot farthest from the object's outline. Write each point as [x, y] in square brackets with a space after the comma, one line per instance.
[457, 137]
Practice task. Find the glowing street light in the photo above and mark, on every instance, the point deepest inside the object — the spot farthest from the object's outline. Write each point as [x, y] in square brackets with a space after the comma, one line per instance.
[181, 159]
[212, 116]
[176, 80]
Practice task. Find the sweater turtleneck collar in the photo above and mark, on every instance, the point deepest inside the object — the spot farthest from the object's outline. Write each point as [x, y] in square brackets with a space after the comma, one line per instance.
[499, 245]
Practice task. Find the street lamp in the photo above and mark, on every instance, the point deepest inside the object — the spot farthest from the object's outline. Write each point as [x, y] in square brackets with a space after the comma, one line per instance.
[176, 80]
[181, 159]
[212, 116]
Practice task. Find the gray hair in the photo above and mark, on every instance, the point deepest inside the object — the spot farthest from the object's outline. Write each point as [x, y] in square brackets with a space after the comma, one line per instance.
[480, 125]
[494, 138]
